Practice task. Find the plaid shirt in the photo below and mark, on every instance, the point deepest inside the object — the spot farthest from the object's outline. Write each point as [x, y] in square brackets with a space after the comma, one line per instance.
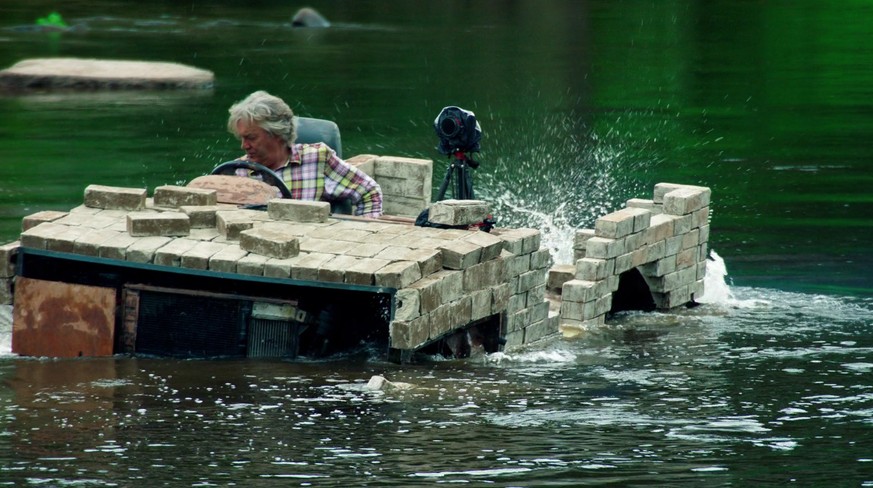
[314, 172]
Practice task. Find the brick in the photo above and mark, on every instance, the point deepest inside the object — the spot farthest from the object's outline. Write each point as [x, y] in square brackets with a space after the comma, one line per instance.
[491, 245]
[252, 264]
[499, 297]
[115, 198]
[36, 236]
[409, 334]
[171, 253]
[578, 310]
[604, 248]
[700, 217]
[177, 196]
[480, 304]
[450, 316]
[516, 302]
[89, 243]
[37, 218]
[8, 259]
[358, 236]
[516, 265]
[661, 190]
[531, 279]
[520, 241]
[365, 163]
[646, 204]
[404, 168]
[279, 268]
[429, 260]
[591, 269]
[518, 320]
[362, 272]
[270, 242]
[298, 210]
[394, 253]
[559, 275]
[399, 274]
[581, 236]
[198, 256]
[691, 239]
[458, 212]
[704, 234]
[306, 265]
[201, 217]
[225, 260]
[621, 223]
[538, 311]
[334, 271]
[367, 250]
[460, 254]
[231, 223]
[535, 296]
[143, 249]
[484, 275]
[685, 200]
[513, 340]
[95, 221]
[541, 330]
[541, 258]
[326, 246]
[6, 291]
[404, 187]
[439, 288]
[65, 239]
[581, 291]
[407, 304]
[142, 224]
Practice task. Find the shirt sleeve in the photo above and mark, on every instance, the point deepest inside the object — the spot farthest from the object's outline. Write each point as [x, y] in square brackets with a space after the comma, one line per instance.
[345, 181]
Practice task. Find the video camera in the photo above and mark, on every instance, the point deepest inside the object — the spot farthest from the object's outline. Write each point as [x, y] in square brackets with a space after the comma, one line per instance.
[457, 130]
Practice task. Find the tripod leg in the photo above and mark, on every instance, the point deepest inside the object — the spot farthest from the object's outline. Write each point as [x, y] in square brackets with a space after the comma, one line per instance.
[447, 179]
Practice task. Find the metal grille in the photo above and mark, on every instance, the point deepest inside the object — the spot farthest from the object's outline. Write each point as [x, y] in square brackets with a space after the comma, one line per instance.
[273, 339]
[172, 324]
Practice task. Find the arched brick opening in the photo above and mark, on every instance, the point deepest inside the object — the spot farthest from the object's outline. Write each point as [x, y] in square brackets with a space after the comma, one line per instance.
[632, 294]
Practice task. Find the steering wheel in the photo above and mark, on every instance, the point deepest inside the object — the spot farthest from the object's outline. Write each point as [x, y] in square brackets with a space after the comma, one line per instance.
[267, 175]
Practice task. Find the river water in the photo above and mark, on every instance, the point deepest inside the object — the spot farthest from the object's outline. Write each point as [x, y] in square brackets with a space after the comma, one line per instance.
[583, 105]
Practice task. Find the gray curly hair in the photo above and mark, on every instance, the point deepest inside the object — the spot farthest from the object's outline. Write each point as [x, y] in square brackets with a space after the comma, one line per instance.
[268, 112]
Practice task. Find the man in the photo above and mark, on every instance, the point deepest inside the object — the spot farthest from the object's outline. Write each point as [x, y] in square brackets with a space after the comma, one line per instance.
[267, 129]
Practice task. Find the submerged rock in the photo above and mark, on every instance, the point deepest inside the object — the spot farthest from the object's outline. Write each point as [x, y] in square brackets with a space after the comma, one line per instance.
[97, 74]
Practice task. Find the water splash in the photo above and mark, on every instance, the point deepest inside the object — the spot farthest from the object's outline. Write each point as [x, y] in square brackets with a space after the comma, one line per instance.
[559, 177]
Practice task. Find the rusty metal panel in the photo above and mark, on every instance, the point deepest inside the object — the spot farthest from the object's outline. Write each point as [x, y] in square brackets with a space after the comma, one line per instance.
[56, 319]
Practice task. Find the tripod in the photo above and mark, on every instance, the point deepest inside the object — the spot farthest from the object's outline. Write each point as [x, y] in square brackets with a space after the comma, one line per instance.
[459, 170]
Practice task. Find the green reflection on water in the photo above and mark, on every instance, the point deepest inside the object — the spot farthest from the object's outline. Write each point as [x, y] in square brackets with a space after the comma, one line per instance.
[586, 103]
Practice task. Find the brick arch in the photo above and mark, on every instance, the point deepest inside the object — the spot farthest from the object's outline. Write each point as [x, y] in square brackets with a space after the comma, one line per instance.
[663, 240]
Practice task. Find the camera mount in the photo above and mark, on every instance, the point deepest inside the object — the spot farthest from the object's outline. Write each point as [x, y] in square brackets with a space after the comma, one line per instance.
[459, 134]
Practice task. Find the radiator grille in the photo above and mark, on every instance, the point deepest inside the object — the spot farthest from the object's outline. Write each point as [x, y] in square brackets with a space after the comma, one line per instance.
[172, 324]
[273, 339]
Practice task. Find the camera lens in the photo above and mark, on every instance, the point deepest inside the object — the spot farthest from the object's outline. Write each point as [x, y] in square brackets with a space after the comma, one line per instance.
[449, 127]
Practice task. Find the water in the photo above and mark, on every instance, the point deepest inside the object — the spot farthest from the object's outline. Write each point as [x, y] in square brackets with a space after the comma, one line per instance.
[583, 105]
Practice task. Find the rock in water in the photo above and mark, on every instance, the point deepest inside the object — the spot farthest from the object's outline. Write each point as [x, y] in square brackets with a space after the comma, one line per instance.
[309, 17]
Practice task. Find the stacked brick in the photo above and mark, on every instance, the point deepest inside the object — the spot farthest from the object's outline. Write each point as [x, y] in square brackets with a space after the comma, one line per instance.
[406, 182]
[664, 238]
[445, 278]
[8, 253]
[483, 275]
